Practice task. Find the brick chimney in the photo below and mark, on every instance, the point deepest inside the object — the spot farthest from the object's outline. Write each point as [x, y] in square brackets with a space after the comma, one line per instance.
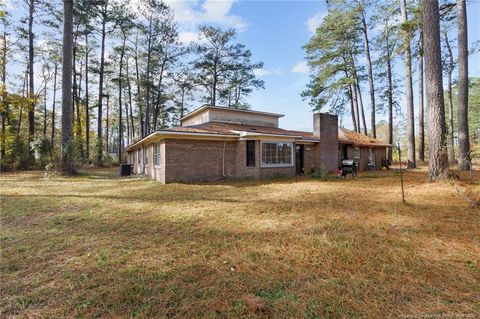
[325, 128]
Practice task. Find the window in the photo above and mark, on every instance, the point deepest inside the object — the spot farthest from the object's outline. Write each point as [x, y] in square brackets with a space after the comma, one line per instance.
[250, 153]
[145, 154]
[371, 157]
[356, 153]
[156, 154]
[277, 154]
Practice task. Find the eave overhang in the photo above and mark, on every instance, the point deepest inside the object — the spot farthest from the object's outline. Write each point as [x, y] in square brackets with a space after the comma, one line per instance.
[158, 135]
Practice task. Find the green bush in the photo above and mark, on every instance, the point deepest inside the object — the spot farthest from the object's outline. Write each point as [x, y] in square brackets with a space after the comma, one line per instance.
[319, 173]
[42, 150]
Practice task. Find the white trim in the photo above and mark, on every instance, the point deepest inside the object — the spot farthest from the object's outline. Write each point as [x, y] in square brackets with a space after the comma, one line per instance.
[248, 134]
[264, 165]
[157, 154]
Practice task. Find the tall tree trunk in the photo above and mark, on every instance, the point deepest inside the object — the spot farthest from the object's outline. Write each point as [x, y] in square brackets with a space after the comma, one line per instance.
[31, 110]
[3, 90]
[147, 81]
[352, 97]
[159, 94]
[462, 111]
[390, 104]
[24, 95]
[74, 63]
[362, 112]
[125, 92]
[438, 161]
[214, 84]
[45, 109]
[87, 105]
[357, 111]
[421, 126]
[79, 117]
[107, 124]
[129, 86]
[52, 137]
[182, 103]
[120, 122]
[409, 90]
[99, 159]
[352, 108]
[67, 165]
[139, 102]
[451, 143]
[370, 74]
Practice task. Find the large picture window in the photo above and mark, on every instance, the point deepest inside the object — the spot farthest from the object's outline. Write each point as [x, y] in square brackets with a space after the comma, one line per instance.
[277, 154]
[156, 154]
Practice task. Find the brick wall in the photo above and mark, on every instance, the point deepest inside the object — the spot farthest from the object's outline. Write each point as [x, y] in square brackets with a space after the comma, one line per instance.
[308, 157]
[379, 152]
[325, 127]
[241, 162]
[197, 161]
[277, 172]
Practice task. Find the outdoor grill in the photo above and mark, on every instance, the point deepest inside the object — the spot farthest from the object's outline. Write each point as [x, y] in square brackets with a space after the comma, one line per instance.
[349, 167]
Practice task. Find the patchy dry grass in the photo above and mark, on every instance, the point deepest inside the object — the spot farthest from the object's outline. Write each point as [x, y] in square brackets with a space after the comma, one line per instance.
[100, 246]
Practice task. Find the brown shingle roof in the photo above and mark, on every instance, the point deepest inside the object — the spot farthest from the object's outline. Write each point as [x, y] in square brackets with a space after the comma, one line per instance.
[350, 137]
[344, 136]
[229, 128]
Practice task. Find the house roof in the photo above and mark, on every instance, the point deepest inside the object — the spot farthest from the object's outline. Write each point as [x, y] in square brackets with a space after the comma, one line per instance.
[354, 138]
[233, 128]
[217, 107]
[226, 130]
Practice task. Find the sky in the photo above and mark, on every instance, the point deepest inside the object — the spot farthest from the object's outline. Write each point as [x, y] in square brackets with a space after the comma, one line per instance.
[275, 32]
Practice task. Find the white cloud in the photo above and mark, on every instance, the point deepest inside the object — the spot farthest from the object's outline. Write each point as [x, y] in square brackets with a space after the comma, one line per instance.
[189, 14]
[188, 37]
[264, 72]
[7, 5]
[301, 67]
[313, 22]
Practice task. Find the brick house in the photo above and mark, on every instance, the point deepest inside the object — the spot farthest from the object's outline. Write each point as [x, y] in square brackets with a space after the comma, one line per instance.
[220, 143]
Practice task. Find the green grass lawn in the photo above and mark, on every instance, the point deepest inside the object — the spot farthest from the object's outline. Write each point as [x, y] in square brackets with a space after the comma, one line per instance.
[100, 246]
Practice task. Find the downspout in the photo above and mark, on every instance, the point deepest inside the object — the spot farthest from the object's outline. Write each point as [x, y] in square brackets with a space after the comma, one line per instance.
[223, 158]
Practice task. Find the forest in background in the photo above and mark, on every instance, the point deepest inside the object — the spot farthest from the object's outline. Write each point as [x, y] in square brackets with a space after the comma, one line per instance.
[131, 75]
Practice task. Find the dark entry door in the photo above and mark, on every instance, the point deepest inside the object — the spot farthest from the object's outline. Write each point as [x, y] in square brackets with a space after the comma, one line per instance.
[299, 159]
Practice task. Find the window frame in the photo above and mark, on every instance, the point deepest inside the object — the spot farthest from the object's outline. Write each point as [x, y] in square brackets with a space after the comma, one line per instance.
[355, 149]
[371, 156]
[292, 154]
[157, 151]
[247, 163]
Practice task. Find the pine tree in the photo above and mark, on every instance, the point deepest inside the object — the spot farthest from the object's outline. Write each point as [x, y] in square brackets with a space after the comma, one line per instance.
[331, 56]
[438, 161]
[387, 44]
[67, 164]
[463, 133]
[221, 63]
[407, 30]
